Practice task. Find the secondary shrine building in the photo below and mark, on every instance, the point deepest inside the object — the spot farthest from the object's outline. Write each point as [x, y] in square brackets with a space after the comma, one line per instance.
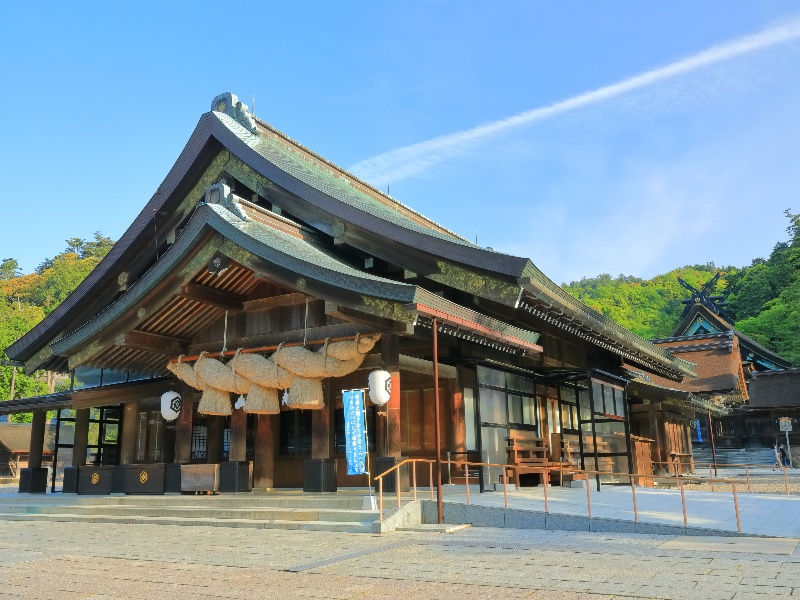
[257, 251]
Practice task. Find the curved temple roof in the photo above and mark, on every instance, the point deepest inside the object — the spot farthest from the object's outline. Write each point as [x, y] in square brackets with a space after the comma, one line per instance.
[336, 203]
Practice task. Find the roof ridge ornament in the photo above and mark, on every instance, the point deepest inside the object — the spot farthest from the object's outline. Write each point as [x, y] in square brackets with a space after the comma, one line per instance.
[220, 193]
[230, 105]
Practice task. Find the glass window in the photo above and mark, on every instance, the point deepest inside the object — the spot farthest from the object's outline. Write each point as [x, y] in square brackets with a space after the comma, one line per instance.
[491, 377]
[493, 406]
[568, 394]
[295, 433]
[566, 417]
[528, 411]
[514, 409]
[619, 402]
[519, 383]
[199, 441]
[608, 400]
[469, 418]
[597, 397]
[86, 377]
[111, 377]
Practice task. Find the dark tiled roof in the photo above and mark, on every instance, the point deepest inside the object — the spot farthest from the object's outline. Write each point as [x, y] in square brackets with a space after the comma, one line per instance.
[718, 364]
[16, 437]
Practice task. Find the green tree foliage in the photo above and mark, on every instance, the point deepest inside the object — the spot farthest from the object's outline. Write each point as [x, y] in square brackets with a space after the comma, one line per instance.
[27, 299]
[766, 298]
[650, 308]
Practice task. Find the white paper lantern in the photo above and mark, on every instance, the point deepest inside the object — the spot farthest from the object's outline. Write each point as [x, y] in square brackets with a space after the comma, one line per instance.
[170, 405]
[380, 387]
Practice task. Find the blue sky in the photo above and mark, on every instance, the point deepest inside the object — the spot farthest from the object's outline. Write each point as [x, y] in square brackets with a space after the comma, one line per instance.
[666, 133]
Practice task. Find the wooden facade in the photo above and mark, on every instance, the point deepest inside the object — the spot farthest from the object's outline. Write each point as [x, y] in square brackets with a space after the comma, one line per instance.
[253, 241]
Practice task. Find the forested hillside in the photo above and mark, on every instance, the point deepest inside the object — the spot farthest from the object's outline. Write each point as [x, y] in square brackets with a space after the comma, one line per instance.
[764, 297]
[25, 299]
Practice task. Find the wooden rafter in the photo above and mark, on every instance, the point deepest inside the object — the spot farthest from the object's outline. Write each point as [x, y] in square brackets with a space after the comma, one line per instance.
[151, 342]
[208, 295]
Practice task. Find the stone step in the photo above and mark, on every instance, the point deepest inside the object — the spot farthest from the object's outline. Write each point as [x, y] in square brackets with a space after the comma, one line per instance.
[194, 512]
[334, 526]
[353, 502]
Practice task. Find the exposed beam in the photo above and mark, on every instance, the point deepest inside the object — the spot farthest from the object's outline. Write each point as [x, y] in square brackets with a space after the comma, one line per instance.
[207, 295]
[150, 342]
[297, 335]
[348, 314]
[292, 299]
[411, 364]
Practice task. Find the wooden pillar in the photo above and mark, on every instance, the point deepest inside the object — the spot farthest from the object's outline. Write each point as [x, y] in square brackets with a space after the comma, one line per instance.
[216, 429]
[238, 447]
[390, 356]
[130, 419]
[264, 458]
[183, 430]
[458, 430]
[81, 437]
[321, 427]
[36, 448]
[687, 423]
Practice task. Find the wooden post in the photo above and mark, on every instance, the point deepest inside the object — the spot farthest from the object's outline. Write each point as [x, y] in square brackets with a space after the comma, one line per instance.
[238, 446]
[390, 356]
[216, 429]
[81, 437]
[438, 422]
[264, 458]
[183, 429]
[713, 443]
[321, 431]
[36, 448]
[130, 420]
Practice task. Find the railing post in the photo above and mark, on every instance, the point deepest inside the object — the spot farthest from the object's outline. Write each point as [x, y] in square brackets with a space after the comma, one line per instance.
[589, 498]
[397, 484]
[785, 481]
[414, 478]
[747, 474]
[505, 491]
[736, 506]
[380, 498]
[466, 479]
[547, 477]
[633, 493]
[430, 477]
[683, 503]
[711, 476]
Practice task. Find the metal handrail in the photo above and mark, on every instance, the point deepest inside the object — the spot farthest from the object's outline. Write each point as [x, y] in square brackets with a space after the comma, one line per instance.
[546, 470]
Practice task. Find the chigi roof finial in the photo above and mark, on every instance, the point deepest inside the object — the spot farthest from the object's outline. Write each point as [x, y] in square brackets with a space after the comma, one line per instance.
[230, 105]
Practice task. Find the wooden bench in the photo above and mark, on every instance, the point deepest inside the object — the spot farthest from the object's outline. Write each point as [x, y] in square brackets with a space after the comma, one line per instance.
[526, 455]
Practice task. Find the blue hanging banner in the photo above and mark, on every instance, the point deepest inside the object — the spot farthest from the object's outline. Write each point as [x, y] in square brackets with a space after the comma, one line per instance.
[354, 432]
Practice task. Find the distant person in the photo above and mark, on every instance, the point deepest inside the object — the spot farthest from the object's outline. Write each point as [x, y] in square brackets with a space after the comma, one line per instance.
[778, 461]
[784, 457]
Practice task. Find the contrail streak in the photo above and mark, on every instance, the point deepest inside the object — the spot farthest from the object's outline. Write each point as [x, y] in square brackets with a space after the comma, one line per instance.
[405, 162]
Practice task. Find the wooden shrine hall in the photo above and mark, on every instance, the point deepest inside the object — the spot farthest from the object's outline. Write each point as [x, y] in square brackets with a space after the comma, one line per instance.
[259, 283]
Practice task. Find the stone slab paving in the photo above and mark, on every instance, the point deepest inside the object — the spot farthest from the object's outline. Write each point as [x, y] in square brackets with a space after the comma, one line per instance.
[760, 514]
[75, 560]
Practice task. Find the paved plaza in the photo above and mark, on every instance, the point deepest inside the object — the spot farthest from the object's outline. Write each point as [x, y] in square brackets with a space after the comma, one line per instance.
[89, 560]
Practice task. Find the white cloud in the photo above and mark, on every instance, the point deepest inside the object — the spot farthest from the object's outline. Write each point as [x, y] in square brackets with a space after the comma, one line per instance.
[408, 161]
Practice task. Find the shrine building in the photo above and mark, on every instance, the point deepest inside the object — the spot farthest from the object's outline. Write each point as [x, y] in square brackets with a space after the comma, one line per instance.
[260, 283]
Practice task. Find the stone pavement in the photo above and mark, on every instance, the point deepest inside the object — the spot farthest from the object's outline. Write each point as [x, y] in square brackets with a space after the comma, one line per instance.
[70, 560]
[760, 514]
